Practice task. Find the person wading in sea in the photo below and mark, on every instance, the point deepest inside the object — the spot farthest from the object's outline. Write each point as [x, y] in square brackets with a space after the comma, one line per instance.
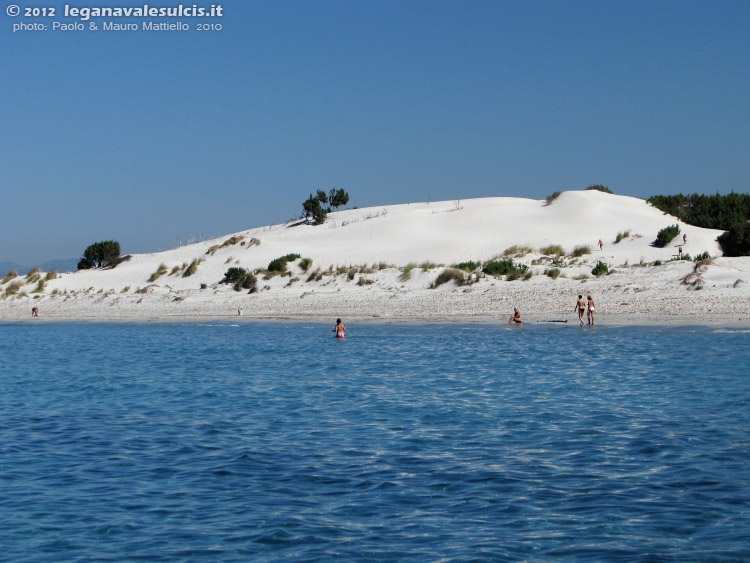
[581, 308]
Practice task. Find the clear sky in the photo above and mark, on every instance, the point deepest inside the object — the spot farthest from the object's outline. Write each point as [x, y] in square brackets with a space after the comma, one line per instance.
[148, 137]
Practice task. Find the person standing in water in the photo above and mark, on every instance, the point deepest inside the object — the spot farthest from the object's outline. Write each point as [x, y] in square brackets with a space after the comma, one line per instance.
[581, 308]
[516, 318]
[590, 309]
[339, 329]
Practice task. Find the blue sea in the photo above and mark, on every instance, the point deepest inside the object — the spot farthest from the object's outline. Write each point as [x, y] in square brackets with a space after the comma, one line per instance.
[275, 442]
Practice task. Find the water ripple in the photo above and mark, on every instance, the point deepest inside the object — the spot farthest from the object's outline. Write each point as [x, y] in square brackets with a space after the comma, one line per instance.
[272, 442]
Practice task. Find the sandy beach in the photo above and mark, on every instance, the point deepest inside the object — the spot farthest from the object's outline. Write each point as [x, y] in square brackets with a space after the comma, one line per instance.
[380, 265]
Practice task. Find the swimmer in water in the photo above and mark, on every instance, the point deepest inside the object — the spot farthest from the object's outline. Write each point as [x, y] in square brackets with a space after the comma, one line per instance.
[339, 329]
[516, 318]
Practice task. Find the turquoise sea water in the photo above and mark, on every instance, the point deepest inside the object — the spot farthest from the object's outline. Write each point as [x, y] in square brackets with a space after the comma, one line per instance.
[224, 442]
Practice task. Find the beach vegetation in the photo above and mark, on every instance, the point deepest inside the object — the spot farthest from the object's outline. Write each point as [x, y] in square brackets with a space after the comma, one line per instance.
[505, 268]
[315, 276]
[467, 267]
[581, 277]
[553, 250]
[313, 207]
[305, 264]
[253, 242]
[703, 256]
[232, 241]
[447, 275]
[125, 289]
[553, 273]
[279, 264]
[351, 272]
[337, 198]
[622, 235]
[581, 250]
[240, 277]
[730, 213]
[192, 267]
[666, 235]
[13, 289]
[427, 266]
[552, 197]
[40, 286]
[600, 188]
[406, 272]
[698, 288]
[160, 271]
[104, 254]
[600, 269]
[52, 275]
[518, 250]
[33, 275]
[528, 275]
[9, 276]
[365, 281]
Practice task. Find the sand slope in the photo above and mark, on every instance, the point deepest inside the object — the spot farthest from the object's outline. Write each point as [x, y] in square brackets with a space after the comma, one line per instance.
[442, 233]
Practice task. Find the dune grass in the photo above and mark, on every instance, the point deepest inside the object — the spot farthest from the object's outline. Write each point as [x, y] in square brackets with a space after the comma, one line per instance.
[160, 271]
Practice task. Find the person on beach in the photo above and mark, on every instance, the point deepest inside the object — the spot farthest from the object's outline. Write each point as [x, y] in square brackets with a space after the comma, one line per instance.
[679, 252]
[35, 311]
[684, 238]
[516, 318]
[590, 310]
[239, 311]
[339, 329]
[581, 308]
[601, 245]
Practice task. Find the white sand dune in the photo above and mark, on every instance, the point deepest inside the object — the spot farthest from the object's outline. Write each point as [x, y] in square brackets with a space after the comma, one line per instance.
[440, 233]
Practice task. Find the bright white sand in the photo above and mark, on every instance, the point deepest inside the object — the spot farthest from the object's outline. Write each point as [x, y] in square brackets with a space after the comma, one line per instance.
[442, 233]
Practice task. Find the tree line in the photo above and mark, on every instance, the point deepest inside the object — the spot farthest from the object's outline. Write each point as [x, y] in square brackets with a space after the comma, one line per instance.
[729, 213]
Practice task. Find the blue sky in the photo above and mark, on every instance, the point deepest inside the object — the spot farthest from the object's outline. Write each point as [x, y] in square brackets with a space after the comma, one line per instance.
[150, 137]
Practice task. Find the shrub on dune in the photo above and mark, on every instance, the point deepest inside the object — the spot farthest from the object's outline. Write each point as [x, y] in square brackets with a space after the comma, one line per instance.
[600, 269]
[9, 276]
[553, 250]
[160, 271]
[552, 197]
[666, 235]
[600, 188]
[468, 267]
[581, 250]
[447, 275]
[279, 264]
[406, 272]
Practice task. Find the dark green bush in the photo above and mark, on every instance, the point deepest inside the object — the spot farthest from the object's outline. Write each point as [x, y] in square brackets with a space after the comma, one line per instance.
[504, 268]
[240, 277]
[703, 256]
[469, 266]
[105, 254]
[279, 264]
[666, 235]
[600, 188]
[600, 269]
